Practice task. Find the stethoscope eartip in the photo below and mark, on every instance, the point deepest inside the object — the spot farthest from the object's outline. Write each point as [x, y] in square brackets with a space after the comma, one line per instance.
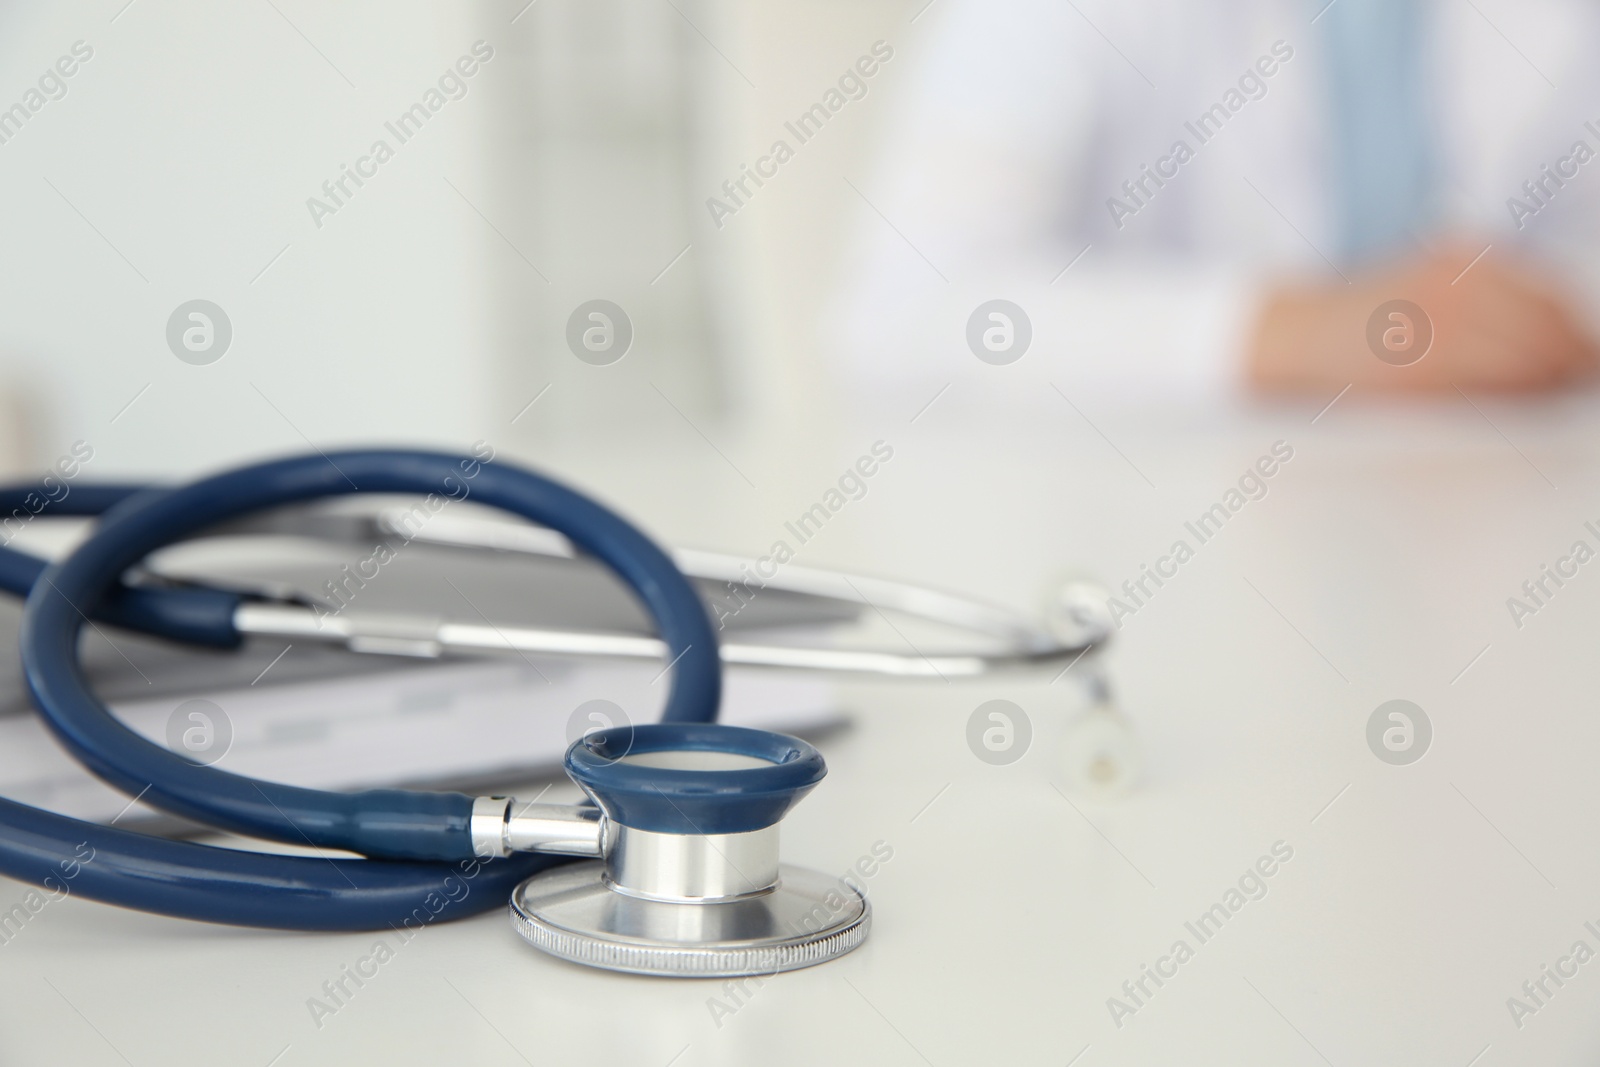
[1101, 754]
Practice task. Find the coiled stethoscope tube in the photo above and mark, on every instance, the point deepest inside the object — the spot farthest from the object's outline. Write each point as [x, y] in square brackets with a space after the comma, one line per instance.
[419, 845]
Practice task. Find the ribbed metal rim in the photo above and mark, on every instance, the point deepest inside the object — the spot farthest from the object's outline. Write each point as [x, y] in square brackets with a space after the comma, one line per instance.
[711, 961]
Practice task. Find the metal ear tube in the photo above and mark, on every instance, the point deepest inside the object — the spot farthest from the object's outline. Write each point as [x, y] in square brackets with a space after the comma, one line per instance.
[685, 878]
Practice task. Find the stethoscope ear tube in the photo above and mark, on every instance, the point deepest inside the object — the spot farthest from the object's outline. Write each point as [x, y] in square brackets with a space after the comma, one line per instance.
[384, 824]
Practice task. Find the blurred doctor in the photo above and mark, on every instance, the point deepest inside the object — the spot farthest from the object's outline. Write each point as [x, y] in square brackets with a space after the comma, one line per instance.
[1190, 198]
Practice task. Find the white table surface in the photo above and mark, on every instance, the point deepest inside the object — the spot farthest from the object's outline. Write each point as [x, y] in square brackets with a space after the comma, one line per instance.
[1418, 899]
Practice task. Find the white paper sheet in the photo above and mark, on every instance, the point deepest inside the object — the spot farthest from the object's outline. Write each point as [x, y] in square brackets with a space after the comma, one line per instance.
[478, 721]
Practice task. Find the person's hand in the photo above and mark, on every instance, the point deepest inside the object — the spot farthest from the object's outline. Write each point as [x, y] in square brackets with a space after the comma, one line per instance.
[1502, 325]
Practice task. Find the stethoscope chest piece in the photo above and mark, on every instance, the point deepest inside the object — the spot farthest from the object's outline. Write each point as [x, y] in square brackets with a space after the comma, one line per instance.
[689, 882]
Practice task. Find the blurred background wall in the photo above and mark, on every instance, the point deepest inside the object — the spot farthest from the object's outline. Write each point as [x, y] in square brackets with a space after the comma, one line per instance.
[431, 304]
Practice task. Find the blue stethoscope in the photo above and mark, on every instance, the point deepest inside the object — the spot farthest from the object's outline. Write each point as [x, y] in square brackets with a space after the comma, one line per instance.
[673, 868]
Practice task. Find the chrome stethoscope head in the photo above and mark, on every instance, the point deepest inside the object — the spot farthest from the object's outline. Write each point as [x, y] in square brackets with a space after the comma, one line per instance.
[686, 879]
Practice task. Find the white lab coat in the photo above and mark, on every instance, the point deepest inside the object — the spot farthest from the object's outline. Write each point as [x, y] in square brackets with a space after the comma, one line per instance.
[1023, 118]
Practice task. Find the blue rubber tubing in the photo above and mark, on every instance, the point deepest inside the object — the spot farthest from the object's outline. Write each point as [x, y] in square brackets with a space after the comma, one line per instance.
[195, 616]
[421, 866]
